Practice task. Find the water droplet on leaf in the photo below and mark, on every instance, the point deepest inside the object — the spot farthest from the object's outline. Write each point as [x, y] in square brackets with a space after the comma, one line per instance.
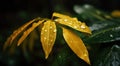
[56, 20]
[111, 35]
[65, 20]
[82, 26]
[45, 30]
[50, 27]
[45, 38]
[85, 54]
[51, 40]
[75, 26]
[54, 30]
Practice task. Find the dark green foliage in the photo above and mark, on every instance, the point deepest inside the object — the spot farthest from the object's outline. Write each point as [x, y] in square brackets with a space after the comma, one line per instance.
[104, 31]
[103, 44]
[109, 56]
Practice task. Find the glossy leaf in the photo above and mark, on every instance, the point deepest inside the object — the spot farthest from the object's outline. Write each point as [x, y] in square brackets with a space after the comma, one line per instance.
[17, 32]
[89, 12]
[28, 31]
[48, 36]
[109, 57]
[104, 31]
[76, 44]
[72, 22]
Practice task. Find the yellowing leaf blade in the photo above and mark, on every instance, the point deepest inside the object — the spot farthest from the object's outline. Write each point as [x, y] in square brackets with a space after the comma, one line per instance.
[17, 32]
[60, 15]
[48, 36]
[72, 22]
[76, 44]
[27, 32]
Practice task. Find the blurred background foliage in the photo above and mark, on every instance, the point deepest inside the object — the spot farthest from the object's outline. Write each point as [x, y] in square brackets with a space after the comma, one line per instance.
[103, 45]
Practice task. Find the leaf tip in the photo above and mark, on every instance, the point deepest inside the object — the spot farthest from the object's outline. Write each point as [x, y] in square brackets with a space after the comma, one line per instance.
[46, 57]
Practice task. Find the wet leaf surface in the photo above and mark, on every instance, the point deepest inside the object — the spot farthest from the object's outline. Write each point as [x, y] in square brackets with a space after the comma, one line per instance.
[72, 22]
[104, 31]
[48, 36]
[109, 57]
[76, 44]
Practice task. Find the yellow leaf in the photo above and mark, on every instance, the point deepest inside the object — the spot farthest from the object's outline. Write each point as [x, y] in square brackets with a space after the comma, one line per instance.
[72, 22]
[27, 32]
[48, 36]
[17, 32]
[76, 44]
[60, 15]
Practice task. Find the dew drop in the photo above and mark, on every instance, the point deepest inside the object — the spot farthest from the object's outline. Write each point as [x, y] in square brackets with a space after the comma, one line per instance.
[85, 54]
[54, 30]
[59, 56]
[82, 26]
[50, 27]
[111, 35]
[65, 20]
[41, 32]
[75, 26]
[45, 30]
[56, 20]
[45, 38]
[51, 40]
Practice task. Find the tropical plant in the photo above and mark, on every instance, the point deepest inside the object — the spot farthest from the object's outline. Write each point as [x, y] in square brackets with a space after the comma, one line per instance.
[48, 32]
[64, 34]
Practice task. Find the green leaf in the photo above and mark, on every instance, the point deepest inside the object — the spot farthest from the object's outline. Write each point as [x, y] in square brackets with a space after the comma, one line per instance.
[104, 31]
[88, 12]
[109, 58]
